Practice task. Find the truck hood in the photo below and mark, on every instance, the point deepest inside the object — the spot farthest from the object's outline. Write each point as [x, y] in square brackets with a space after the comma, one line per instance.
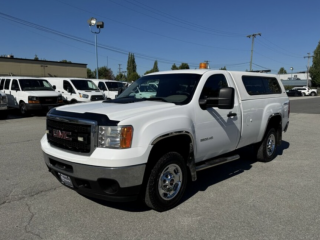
[117, 111]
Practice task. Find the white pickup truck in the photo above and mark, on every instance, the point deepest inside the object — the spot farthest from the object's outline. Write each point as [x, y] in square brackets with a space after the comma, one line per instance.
[306, 91]
[132, 147]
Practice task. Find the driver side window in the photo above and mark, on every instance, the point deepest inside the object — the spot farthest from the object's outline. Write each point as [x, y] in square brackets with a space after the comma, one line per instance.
[67, 86]
[213, 84]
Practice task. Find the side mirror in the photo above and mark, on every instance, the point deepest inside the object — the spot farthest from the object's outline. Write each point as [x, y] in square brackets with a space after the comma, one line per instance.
[224, 101]
[54, 87]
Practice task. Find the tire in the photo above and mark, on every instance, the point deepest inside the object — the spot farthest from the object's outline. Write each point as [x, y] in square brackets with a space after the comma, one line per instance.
[73, 101]
[3, 114]
[304, 94]
[23, 109]
[267, 148]
[313, 94]
[166, 183]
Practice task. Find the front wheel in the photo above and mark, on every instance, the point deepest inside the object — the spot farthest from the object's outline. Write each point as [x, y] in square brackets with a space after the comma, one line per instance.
[313, 94]
[266, 149]
[23, 108]
[167, 182]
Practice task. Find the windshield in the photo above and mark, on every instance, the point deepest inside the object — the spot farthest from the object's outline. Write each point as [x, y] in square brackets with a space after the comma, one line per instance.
[173, 88]
[113, 86]
[35, 85]
[84, 84]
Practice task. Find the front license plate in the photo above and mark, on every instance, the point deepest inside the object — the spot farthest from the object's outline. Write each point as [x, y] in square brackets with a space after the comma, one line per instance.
[66, 180]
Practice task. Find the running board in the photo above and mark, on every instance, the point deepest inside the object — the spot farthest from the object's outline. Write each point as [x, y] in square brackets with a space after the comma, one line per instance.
[216, 162]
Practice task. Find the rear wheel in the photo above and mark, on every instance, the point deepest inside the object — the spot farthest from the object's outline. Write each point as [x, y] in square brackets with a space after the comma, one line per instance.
[167, 182]
[266, 149]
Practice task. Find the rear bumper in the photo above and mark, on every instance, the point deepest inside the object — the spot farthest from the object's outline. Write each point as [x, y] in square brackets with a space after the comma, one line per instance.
[3, 107]
[112, 184]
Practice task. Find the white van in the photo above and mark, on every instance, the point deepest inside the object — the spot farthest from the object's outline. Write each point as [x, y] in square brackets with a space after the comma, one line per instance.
[29, 93]
[75, 90]
[109, 87]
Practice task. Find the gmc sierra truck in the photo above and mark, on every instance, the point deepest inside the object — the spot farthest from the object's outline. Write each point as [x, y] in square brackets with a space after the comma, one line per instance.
[147, 147]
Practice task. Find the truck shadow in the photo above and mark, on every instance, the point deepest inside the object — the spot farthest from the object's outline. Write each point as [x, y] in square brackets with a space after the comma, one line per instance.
[212, 176]
[206, 178]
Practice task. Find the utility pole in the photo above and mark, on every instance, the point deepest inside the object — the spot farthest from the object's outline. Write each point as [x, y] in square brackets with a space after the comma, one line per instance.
[119, 68]
[308, 68]
[253, 37]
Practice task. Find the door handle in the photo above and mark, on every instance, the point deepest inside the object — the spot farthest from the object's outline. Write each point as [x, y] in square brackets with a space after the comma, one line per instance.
[231, 114]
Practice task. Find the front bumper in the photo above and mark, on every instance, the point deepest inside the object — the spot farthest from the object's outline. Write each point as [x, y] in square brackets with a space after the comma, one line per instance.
[31, 107]
[108, 183]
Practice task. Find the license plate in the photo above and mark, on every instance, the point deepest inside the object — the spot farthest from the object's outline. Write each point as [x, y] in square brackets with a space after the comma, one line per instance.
[66, 180]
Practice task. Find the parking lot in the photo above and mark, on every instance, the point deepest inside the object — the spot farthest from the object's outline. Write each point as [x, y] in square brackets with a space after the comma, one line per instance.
[244, 199]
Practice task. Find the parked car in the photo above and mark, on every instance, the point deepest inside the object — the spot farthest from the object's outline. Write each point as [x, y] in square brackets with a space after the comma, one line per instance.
[306, 91]
[294, 93]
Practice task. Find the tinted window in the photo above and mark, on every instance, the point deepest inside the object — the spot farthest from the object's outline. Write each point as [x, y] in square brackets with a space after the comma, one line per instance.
[113, 86]
[6, 85]
[68, 87]
[35, 85]
[102, 86]
[14, 85]
[1, 83]
[261, 85]
[213, 84]
[84, 84]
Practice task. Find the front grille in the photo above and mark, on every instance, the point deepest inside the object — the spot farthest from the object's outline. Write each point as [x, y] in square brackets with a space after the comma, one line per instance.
[71, 136]
[96, 98]
[48, 100]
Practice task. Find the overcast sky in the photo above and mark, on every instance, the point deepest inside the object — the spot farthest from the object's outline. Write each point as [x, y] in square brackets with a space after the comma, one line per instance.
[166, 31]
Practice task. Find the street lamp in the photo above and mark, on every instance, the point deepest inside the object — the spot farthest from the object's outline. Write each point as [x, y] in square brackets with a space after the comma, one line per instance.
[92, 21]
[291, 72]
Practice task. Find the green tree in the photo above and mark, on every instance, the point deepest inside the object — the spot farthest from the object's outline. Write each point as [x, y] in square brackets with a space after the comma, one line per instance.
[133, 76]
[65, 61]
[174, 67]
[282, 71]
[223, 68]
[184, 66]
[315, 68]
[131, 65]
[36, 57]
[90, 74]
[121, 77]
[154, 69]
[105, 73]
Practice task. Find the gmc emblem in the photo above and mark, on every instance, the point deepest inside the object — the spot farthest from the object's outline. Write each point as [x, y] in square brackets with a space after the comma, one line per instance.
[62, 134]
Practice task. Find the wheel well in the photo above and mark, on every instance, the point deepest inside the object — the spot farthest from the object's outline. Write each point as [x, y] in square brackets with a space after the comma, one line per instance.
[179, 144]
[276, 123]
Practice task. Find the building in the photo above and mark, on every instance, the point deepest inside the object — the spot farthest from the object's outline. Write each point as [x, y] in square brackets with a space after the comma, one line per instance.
[40, 68]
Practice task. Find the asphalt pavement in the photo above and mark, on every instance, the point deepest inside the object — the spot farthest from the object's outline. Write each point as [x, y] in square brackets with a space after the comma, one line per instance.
[244, 199]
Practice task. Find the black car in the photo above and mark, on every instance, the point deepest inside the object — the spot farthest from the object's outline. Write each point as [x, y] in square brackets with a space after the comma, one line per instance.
[294, 93]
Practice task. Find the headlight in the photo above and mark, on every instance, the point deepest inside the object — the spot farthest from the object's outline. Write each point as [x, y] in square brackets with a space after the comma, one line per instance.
[60, 100]
[84, 95]
[32, 99]
[115, 136]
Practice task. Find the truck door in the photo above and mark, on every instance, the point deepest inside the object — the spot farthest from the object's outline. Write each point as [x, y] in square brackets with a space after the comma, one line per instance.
[217, 130]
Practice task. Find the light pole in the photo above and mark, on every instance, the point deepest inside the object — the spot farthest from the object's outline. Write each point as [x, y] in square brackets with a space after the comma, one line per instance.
[291, 72]
[92, 21]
